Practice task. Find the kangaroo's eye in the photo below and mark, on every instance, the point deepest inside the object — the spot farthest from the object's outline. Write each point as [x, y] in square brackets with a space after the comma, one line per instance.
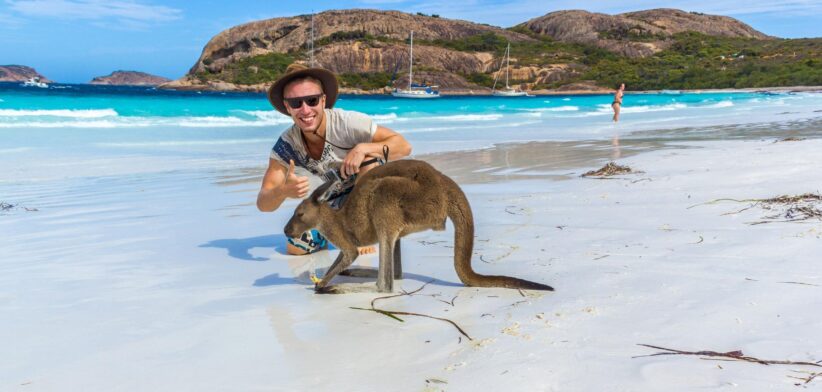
[300, 214]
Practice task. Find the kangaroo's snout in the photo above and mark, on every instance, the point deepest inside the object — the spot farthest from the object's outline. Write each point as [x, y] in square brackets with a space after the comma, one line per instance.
[290, 229]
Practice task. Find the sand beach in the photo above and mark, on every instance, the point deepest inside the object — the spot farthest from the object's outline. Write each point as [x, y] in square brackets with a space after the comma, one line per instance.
[132, 256]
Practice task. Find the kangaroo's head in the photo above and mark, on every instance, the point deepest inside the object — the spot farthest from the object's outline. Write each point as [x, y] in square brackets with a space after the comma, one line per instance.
[308, 214]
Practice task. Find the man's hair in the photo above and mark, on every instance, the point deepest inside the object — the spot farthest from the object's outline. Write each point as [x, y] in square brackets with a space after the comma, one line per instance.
[306, 78]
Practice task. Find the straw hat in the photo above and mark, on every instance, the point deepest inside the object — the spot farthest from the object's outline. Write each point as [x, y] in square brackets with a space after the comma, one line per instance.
[329, 81]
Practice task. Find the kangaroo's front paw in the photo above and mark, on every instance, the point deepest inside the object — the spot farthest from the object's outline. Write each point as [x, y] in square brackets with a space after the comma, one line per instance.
[326, 290]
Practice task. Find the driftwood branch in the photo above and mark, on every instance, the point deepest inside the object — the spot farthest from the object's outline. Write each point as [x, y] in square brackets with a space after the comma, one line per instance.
[394, 313]
[732, 355]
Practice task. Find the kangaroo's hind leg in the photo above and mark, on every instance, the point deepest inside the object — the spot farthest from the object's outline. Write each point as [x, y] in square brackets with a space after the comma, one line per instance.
[385, 276]
[397, 260]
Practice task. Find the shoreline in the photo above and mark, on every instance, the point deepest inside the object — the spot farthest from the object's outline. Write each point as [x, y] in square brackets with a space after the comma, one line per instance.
[592, 90]
[260, 89]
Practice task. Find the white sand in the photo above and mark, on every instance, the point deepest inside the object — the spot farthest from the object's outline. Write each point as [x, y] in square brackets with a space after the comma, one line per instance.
[178, 284]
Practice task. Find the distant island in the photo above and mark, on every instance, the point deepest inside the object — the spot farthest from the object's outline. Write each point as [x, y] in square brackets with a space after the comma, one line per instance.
[130, 78]
[20, 73]
[560, 51]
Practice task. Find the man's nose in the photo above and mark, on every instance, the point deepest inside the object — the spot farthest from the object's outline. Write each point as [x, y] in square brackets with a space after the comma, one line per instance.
[304, 107]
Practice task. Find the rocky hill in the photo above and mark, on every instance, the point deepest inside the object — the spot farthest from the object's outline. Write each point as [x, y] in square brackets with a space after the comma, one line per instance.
[368, 49]
[285, 35]
[19, 73]
[130, 78]
[346, 41]
[636, 34]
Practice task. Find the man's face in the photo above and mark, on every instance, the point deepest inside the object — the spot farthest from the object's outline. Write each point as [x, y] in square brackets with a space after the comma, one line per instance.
[306, 117]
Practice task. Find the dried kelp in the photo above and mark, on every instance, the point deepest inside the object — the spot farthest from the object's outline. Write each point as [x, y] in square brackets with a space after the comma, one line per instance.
[785, 208]
[610, 169]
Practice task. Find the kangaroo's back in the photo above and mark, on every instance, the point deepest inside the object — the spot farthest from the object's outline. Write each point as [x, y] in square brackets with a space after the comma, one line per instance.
[407, 196]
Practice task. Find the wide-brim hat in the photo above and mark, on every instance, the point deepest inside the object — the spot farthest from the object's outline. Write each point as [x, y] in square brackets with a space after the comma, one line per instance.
[294, 71]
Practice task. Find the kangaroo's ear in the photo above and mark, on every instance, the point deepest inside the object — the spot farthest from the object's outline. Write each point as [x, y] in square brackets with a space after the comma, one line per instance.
[319, 194]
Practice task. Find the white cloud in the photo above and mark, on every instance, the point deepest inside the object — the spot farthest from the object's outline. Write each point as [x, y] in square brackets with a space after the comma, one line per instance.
[9, 22]
[125, 11]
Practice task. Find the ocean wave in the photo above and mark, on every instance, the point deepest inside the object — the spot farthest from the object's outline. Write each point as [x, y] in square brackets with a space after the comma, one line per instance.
[71, 113]
[384, 117]
[722, 104]
[563, 109]
[467, 117]
[181, 143]
[556, 109]
[140, 122]
[268, 116]
[606, 108]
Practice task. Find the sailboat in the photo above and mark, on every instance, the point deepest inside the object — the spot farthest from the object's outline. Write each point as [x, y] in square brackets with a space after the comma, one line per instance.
[508, 91]
[415, 90]
[35, 82]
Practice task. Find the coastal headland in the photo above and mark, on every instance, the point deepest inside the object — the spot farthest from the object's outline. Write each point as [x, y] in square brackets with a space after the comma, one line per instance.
[566, 52]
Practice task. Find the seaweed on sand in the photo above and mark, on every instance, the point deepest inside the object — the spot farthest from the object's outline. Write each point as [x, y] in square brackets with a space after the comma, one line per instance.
[787, 208]
[610, 169]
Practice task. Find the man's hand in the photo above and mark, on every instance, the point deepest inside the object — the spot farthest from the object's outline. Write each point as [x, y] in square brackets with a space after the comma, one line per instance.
[294, 187]
[351, 163]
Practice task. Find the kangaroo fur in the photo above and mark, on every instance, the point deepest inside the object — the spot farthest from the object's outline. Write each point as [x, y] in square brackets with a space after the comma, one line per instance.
[388, 203]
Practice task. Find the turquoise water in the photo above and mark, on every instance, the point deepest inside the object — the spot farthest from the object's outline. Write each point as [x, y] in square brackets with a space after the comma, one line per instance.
[69, 130]
[112, 106]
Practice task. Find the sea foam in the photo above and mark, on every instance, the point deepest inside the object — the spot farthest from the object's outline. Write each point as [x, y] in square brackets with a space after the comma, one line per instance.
[70, 113]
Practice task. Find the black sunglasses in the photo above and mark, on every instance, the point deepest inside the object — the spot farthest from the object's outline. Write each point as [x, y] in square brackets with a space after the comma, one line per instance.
[296, 103]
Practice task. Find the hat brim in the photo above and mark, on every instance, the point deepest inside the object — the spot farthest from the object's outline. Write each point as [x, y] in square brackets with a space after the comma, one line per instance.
[329, 81]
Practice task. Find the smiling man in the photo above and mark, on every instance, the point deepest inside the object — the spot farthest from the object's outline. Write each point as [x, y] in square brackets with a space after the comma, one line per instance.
[321, 140]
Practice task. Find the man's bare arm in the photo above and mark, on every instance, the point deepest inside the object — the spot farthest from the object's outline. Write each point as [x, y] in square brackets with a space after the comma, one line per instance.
[398, 148]
[278, 184]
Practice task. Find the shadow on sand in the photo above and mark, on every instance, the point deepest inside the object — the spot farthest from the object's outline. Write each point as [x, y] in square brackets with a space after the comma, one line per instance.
[240, 248]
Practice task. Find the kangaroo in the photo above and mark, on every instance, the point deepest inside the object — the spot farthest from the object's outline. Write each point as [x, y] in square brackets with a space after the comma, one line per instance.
[390, 202]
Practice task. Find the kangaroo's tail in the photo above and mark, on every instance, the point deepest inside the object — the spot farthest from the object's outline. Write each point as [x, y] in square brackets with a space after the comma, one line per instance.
[459, 211]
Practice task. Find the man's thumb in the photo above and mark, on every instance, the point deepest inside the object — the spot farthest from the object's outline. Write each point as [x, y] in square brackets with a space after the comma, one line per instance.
[290, 169]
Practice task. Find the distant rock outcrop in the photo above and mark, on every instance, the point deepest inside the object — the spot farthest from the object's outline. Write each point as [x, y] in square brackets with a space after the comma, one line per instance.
[19, 73]
[130, 78]
[635, 34]
[455, 54]
[292, 33]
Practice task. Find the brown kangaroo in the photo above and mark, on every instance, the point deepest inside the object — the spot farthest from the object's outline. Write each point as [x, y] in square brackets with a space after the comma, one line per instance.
[389, 202]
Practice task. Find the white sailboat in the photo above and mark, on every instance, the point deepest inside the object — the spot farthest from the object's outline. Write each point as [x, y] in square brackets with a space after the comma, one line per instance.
[508, 91]
[35, 82]
[415, 90]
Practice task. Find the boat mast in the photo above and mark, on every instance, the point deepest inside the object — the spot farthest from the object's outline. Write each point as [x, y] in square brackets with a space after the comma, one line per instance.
[411, 63]
[311, 46]
[507, 64]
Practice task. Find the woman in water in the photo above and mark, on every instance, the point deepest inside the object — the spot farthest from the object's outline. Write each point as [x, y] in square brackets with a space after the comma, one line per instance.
[617, 104]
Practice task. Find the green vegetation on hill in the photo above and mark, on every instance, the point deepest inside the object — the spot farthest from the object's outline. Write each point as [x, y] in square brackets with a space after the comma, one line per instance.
[692, 61]
[251, 70]
[698, 61]
[365, 80]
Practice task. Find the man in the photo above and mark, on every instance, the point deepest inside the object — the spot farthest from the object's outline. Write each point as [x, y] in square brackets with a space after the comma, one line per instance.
[321, 139]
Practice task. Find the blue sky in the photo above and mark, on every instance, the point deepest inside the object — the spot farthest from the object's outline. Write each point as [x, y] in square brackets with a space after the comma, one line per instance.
[73, 41]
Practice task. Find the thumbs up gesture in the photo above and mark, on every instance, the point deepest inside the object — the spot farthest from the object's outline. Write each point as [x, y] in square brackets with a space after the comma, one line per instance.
[295, 186]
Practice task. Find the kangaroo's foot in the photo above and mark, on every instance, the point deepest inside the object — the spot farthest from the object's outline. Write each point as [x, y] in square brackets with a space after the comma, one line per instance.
[366, 250]
[346, 288]
[360, 272]
[326, 290]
